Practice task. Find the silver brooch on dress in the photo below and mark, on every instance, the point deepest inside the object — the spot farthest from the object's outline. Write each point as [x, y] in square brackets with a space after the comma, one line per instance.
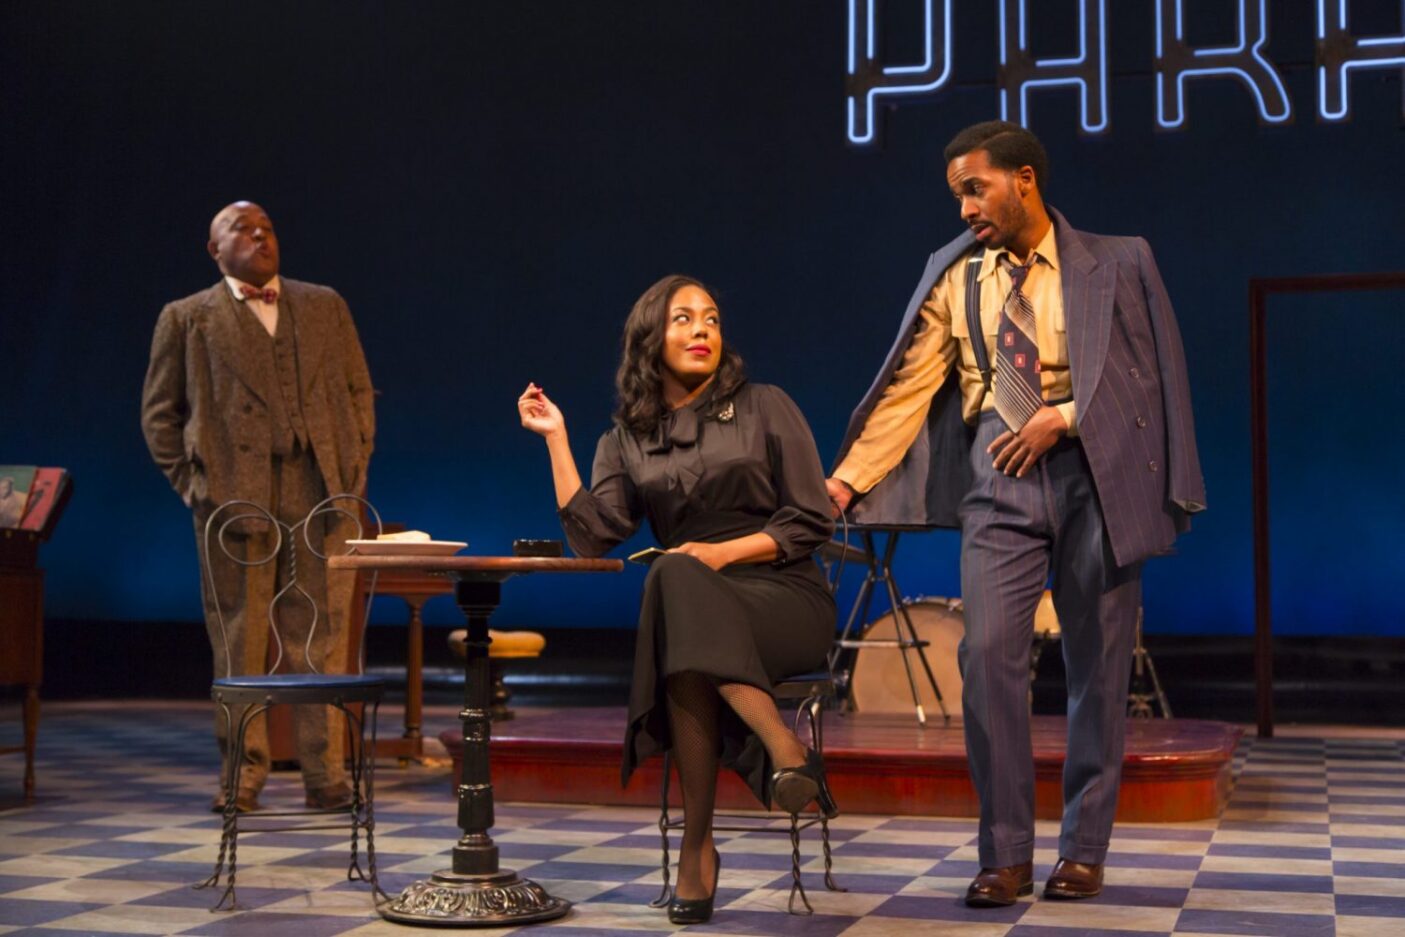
[727, 414]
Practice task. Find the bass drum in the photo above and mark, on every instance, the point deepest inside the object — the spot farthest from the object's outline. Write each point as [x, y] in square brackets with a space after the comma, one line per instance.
[879, 682]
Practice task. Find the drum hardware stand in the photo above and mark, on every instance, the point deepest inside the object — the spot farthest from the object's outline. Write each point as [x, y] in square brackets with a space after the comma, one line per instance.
[1042, 639]
[1146, 687]
[881, 571]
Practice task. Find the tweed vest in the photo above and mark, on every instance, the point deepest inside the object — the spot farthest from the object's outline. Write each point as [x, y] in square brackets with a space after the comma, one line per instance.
[285, 416]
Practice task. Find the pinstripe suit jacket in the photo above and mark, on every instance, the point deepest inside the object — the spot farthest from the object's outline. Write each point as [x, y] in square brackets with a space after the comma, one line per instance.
[1129, 384]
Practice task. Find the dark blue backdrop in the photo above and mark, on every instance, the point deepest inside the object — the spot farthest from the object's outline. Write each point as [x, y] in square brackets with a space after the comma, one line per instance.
[491, 185]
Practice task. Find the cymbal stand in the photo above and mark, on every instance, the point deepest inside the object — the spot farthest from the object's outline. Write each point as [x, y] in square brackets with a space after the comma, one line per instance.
[880, 571]
[1146, 687]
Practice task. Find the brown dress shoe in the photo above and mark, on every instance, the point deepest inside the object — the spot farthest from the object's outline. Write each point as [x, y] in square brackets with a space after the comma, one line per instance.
[246, 801]
[1074, 880]
[998, 888]
[331, 797]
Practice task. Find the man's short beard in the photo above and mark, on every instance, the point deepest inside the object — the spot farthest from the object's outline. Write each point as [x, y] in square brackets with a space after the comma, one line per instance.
[1012, 220]
[1018, 218]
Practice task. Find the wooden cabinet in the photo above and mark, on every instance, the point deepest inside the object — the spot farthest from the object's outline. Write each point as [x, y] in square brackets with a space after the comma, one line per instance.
[22, 600]
[22, 635]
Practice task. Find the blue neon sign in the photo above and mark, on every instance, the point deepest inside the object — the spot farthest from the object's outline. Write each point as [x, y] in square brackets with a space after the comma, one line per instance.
[869, 82]
[1338, 51]
[1020, 71]
[1176, 61]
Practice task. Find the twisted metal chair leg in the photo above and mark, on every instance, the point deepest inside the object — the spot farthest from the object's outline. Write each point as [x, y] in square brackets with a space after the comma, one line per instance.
[815, 708]
[231, 821]
[796, 886]
[229, 834]
[214, 878]
[828, 856]
[231, 808]
[354, 872]
[230, 774]
[369, 820]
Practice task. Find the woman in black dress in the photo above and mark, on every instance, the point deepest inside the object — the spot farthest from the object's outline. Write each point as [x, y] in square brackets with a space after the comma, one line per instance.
[727, 474]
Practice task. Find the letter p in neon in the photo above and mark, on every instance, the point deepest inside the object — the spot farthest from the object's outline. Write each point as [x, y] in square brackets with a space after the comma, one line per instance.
[867, 80]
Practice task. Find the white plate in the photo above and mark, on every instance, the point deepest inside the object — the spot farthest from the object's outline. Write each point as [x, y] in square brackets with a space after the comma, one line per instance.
[406, 547]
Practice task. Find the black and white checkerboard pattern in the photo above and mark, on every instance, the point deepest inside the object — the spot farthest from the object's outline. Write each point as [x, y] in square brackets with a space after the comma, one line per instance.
[1313, 842]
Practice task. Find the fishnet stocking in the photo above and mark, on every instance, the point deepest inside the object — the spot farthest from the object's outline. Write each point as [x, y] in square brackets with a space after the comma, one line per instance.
[758, 710]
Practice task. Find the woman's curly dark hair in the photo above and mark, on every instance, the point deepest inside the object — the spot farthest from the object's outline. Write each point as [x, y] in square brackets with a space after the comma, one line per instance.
[639, 379]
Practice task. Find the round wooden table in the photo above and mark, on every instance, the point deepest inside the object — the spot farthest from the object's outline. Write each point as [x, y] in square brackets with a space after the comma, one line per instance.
[475, 891]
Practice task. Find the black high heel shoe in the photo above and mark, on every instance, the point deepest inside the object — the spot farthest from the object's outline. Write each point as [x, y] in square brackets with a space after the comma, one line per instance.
[793, 788]
[696, 910]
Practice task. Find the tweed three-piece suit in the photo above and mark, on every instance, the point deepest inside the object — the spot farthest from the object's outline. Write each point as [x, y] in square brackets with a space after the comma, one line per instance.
[231, 412]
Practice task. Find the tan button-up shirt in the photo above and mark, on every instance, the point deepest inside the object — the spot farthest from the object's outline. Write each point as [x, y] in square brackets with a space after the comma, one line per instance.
[944, 338]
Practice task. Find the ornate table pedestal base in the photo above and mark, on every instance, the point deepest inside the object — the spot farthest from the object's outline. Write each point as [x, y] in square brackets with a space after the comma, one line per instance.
[448, 899]
[474, 891]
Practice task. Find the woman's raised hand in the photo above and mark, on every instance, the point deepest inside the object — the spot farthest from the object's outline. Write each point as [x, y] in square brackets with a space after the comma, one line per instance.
[538, 413]
[544, 418]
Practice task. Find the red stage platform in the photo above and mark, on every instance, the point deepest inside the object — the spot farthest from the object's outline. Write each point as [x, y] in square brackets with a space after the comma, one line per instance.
[1175, 770]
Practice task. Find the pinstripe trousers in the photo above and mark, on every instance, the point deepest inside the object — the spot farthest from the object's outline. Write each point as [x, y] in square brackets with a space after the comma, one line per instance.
[1017, 534]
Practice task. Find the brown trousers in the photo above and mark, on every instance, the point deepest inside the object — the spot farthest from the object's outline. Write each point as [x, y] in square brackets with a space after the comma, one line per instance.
[311, 617]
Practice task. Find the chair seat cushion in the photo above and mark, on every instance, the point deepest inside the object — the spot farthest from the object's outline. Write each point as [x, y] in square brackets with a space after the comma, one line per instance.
[504, 643]
[803, 686]
[814, 676]
[299, 681]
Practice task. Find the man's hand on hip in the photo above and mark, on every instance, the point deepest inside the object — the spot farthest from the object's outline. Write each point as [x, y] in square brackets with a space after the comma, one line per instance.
[1016, 453]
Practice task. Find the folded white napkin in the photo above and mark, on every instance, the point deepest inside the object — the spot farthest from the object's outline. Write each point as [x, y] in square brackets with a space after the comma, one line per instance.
[407, 536]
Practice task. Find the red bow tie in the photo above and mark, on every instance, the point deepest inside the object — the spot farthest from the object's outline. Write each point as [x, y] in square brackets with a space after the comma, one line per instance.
[268, 294]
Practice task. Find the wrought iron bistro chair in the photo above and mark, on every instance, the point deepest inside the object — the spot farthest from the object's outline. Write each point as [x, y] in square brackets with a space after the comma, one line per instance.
[813, 691]
[252, 695]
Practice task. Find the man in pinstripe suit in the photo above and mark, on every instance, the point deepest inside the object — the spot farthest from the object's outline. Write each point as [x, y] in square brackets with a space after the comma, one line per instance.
[1048, 415]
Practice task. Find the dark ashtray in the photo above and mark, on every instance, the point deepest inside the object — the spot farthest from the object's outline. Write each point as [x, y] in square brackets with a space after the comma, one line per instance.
[537, 548]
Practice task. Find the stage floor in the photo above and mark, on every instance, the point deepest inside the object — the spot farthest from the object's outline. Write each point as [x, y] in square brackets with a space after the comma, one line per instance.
[1174, 770]
[1312, 842]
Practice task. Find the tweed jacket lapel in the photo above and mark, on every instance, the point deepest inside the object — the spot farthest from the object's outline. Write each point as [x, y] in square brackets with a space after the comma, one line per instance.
[296, 308]
[1088, 292]
[232, 340]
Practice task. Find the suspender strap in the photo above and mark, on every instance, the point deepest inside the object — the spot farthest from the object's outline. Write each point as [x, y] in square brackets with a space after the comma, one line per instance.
[973, 315]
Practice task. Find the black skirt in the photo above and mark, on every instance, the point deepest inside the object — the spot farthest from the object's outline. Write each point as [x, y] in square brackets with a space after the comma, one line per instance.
[751, 624]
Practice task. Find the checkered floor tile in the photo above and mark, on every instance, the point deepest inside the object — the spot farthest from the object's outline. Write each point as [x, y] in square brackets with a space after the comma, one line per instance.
[1313, 842]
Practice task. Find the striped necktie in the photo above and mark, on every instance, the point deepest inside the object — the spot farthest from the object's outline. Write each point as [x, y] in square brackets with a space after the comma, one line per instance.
[1017, 383]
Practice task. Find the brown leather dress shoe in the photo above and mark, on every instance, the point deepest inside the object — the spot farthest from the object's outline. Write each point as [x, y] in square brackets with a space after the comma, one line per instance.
[1074, 880]
[999, 888]
[331, 797]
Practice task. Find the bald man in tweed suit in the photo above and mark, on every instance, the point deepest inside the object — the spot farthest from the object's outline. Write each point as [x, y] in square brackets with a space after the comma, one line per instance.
[1054, 428]
[257, 389]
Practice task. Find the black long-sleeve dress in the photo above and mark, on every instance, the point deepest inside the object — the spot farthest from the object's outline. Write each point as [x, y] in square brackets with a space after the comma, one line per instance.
[713, 471]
